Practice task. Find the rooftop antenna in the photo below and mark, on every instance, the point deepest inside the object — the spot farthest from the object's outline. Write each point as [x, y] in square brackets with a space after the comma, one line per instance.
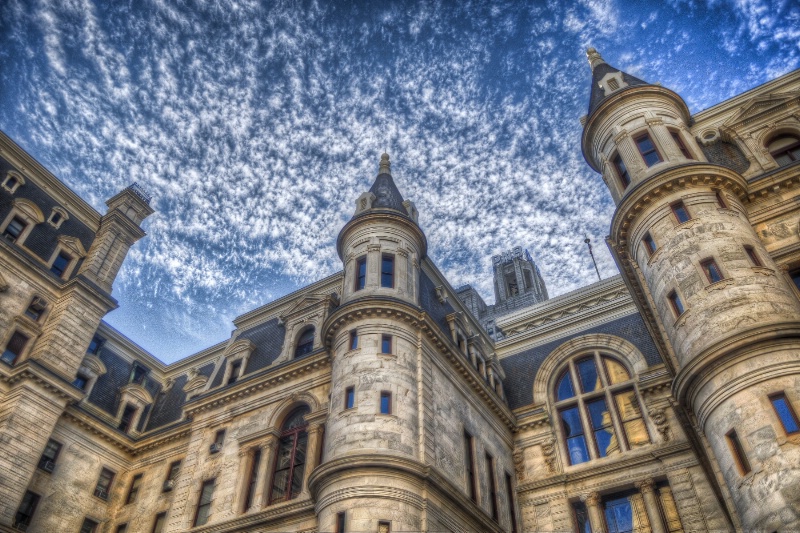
[588, 242]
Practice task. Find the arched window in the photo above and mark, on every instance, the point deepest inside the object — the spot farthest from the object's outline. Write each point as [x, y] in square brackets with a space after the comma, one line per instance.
[290, 461]
[784, 149]
[305, 342]
[598, 409]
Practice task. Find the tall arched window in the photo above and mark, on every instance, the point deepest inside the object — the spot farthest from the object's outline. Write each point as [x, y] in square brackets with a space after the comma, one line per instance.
[290, 461]
[598, 408]
[305, 342]
[784, 149]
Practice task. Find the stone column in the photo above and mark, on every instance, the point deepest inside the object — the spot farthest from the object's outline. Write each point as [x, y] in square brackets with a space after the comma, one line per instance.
[265, 470]
[373, 265]
[596, 519]
[401, 272]
[314, 435]
[648, 489]
[245, 457]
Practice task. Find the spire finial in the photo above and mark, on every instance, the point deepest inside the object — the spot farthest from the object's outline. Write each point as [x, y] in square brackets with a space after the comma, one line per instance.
[594, 57]
[385, 166]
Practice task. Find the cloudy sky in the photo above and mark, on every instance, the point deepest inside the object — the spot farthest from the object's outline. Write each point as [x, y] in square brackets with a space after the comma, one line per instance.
[255, 125]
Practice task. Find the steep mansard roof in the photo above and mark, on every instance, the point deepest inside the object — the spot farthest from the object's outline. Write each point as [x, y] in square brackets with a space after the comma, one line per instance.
[599, 71]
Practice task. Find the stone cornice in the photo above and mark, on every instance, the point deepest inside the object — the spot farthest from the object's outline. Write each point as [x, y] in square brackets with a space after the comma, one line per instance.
[273, 515]
[380, 216]
[771, 183]
[528, 418]
[416, 318]
[34, 371]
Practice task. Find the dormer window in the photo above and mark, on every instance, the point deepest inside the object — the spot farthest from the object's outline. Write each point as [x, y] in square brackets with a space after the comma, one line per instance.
[12, 182]
[138, 374]
[14, 229]
[95, 345]
[60, 264]
[613, 84]
[236, 368]
[57, 217]
[305, 343]
[648, 150]
[126, 420]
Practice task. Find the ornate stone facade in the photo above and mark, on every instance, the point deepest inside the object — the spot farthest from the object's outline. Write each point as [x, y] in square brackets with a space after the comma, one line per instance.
[381, 399]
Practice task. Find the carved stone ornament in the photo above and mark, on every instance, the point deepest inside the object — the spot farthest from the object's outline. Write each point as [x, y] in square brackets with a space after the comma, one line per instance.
[519, 463]
[441, 294]
[549, 453]
[659, 418]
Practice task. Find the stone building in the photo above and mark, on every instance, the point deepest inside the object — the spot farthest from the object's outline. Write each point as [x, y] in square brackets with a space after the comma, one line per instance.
[382, 399]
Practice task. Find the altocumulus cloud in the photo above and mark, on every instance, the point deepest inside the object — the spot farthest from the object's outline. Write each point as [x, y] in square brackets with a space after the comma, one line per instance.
[255, 125]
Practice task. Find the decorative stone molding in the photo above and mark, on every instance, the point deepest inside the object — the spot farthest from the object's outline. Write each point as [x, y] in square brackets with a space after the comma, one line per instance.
[549, 452]
[441, 294]
[364, 202]
[518, 457]
[659, 418]
[57, 217]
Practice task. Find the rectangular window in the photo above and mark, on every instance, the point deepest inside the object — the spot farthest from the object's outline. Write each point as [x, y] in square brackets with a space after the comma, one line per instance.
[384, 527]
[512, 511]
[138, 375]
[387, 271]
[60, 264]
[103, 486]
[47, 461]
[14, 229]
[122, 528]
[158, 523]
[622, 171]
[16, 344]
[127, 418]
[133, 492]
[720, 200]
[613, 84]
[492, 485]
[648, 150]
[349, 397]
[675, 303]
[236, 367]
[682, 147]
[631, 416]
[649, 244]
[251, 484]
[751, 254]
[361, 273]
[204, 503]
[353, 339]
[386, 344]
[340, 522]
[680, 212]
[713, 273]
[785, 413]
[581, 516]
[795, 275]
[738, 452]
[469, 455]
[26, 509]
[89, 526]
[386, 403]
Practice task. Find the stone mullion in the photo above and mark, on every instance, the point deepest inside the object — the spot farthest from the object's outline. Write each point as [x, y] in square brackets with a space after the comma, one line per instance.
[648, 489]
[596, 519]
[401, 271]
[664, 139]
[629, 153]
[265, 471]
[373, 265]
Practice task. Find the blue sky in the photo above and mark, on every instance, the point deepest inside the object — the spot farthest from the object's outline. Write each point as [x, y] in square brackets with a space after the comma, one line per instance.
[256, 124]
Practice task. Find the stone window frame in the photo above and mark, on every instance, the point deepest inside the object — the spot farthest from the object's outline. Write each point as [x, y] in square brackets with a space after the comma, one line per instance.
[37, 304]
[28, 212]
[659, 150]
[781, 394]
[91, 367]
[738, 453]
[62, 213]
[390, 407]
[677, 137]
[706, 264]
[27, 327]
[675, 217]
[672, 296]
[771, 136]
[649, 244]
[69, 246]
[137, 396]
[623, 176]
[238, 351]
[19, 181]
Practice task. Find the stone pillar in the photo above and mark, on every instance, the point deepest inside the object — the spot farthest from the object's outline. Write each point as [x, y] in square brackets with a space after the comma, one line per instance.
[245, 458]
[401, 272]
[314, 434]
[596, 519]
[373, 265]
[265, 470]
[648, 489]
[670, 510]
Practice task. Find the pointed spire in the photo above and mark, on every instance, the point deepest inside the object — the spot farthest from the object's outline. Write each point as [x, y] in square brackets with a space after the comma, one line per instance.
[385, 167]
[594, 57]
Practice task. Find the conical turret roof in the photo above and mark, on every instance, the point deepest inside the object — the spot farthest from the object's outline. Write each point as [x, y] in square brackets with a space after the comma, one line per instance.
[599, 71]
[387, 196]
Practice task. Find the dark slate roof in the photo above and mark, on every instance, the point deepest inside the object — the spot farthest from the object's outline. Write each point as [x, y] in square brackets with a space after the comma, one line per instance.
[521, 368]
[105, 393]
[43, 238]
[268, 339]
[168, 406]
[430, 303]
[387, 196]
[598, 94]
[727, 155]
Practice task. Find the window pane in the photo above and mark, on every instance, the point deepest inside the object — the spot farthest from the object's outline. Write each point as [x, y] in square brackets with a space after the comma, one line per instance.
[386, 344]
[581, 518]
[296, 418]
[588, 373]
[387, 271]
[386, 402]
[680, 212]
[615, 371]
[279, 485]
[572, 422]
[578, 453]
[619, 515]
[785, 414]
[636, 432]
[598, 414]
[361, 273]
[627, 405]
[565, 389]
[604, 432]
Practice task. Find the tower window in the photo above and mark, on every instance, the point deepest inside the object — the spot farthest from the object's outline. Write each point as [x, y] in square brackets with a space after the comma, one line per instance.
[795, 275]
[784, 149]
[648, 150]
[89, 526]
[649, 244]
[361, 273]
[204, 503]
[340, 522]
[785, 413]
[353, 339]
[60, 264]
[386, 403]
[712, 271]
[14, 229]
[469, 456]
[675, 303]
[737, 451]
[26, 509]
[622, 171]
[386, 344]
[387, 271]
[349, 397]
[133, 492]
[305, 343]
[751, 254]
[122, 528]
[679, 142]
[680, 212]
[47, 461]
[384, 527]
[16, 344]
[613, 84]
[103, 486]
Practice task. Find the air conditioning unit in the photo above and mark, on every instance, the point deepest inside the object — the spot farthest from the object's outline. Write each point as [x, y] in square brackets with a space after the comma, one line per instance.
[169, 485]
[38, 303]
[215, 448]
[47, 466]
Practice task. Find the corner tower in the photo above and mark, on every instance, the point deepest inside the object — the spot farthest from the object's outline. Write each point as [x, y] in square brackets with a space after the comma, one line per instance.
[702, 277]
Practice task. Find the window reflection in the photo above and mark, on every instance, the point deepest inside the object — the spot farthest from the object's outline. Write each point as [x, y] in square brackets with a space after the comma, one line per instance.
[590, 380]
[564, 388]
